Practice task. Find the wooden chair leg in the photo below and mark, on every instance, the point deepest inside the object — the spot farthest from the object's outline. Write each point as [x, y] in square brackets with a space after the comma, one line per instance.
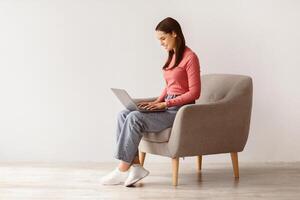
[235, 164]
[175, 166]
[142, 156]
[199, 163]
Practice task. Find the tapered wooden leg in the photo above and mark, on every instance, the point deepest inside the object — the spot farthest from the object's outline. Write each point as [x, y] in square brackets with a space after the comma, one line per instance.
[199, 163]
[175, 166]
[235, 164]
[142, 156]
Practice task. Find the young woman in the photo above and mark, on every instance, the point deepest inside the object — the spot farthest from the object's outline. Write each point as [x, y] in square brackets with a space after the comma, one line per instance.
[182, 74]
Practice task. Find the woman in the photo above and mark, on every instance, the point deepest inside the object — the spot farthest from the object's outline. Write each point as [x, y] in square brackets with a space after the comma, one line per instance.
[182, 74]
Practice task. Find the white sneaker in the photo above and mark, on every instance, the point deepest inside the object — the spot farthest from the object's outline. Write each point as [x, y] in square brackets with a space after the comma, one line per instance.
[115, 177]
[136, 173]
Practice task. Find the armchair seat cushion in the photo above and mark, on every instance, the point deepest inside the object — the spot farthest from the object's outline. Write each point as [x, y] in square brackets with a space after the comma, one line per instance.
[158, 137]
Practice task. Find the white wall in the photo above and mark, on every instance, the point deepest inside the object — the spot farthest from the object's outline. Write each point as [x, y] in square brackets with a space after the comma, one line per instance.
[58, 60]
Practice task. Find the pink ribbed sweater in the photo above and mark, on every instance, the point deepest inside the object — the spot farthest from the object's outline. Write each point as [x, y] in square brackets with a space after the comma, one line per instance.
[183, 80]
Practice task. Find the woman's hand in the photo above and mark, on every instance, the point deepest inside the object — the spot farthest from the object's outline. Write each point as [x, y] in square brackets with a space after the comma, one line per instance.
[145, 103]
[156, 106]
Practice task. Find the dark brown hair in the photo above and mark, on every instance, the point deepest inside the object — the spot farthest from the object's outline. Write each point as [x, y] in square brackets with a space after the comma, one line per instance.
[170, 25]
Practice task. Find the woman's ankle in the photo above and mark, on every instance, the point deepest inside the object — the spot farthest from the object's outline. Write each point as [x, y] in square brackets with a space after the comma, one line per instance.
[136, 160]
[123, 166]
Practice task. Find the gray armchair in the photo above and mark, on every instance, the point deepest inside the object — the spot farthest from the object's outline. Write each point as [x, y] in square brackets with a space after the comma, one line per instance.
[218, 123]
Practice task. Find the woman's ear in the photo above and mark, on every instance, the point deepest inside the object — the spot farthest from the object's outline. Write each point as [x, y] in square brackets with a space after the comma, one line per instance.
[174, 34]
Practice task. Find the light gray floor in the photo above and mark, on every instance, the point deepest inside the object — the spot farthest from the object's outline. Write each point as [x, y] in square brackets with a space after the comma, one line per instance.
[38, 181]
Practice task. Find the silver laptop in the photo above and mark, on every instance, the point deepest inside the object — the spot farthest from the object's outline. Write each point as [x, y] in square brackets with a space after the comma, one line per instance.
[128, 102]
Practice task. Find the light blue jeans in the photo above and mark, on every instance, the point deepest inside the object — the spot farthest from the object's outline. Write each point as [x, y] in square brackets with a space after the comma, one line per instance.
[132, 124]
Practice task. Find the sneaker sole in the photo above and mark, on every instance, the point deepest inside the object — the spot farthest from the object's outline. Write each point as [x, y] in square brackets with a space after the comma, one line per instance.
[136, 180]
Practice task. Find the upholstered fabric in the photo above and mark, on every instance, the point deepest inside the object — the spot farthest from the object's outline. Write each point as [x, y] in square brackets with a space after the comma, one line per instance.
[218, 122]
[162, 136]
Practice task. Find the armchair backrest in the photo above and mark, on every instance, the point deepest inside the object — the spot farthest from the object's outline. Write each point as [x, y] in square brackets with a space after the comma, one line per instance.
[235, 92]
[225, 87]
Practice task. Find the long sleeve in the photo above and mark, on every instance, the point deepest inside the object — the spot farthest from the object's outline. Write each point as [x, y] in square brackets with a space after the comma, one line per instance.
[194, 84]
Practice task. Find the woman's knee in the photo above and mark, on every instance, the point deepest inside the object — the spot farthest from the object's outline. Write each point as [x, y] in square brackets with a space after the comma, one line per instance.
[135, 115]
[123, 114]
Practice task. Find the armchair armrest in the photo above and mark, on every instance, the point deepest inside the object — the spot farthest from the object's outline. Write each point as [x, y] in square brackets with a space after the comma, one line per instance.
[200, 129]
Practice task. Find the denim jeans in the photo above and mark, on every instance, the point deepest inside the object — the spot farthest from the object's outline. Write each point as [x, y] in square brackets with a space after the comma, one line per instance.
[132, 124]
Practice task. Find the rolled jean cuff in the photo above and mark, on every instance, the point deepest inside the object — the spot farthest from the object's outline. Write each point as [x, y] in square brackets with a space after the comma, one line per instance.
[122, 159]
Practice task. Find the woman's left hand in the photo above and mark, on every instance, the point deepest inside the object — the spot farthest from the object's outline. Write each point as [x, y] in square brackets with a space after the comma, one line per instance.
[156, 106]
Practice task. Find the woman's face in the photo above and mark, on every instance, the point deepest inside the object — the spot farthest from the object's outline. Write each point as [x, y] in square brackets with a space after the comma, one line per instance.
[167, 40]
